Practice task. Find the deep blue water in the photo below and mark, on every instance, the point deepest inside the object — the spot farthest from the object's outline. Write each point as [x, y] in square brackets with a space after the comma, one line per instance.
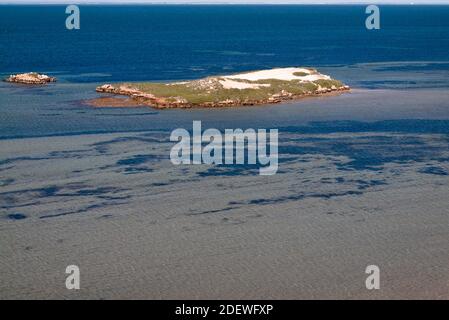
[400, 72]
[172, 42]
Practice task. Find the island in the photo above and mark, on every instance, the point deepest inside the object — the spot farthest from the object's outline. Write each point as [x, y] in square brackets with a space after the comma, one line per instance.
[30, 78]
[250, 88]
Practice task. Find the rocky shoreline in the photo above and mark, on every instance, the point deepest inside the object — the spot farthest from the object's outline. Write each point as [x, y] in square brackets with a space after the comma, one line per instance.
[253, 88]
[30, 78]
[151, 100]
[143, 98]
[246, 89]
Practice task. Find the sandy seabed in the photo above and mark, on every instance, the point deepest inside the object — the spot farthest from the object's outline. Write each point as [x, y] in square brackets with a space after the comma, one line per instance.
[139, 227]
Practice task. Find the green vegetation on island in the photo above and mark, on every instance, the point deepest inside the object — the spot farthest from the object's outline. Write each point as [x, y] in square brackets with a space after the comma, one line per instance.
[266, 86]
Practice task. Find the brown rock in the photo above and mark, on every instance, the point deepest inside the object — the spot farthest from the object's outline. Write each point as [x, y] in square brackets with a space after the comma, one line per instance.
[30, 78]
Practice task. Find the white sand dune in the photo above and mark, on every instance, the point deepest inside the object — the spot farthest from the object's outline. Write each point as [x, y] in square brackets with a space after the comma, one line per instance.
[231, 84]
[286, 74]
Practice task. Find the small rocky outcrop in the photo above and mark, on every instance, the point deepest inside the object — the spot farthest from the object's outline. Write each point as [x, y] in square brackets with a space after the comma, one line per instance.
[30, 78]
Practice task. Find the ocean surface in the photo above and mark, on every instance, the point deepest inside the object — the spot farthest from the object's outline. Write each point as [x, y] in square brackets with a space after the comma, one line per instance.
[398, 72]
[363, 177]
